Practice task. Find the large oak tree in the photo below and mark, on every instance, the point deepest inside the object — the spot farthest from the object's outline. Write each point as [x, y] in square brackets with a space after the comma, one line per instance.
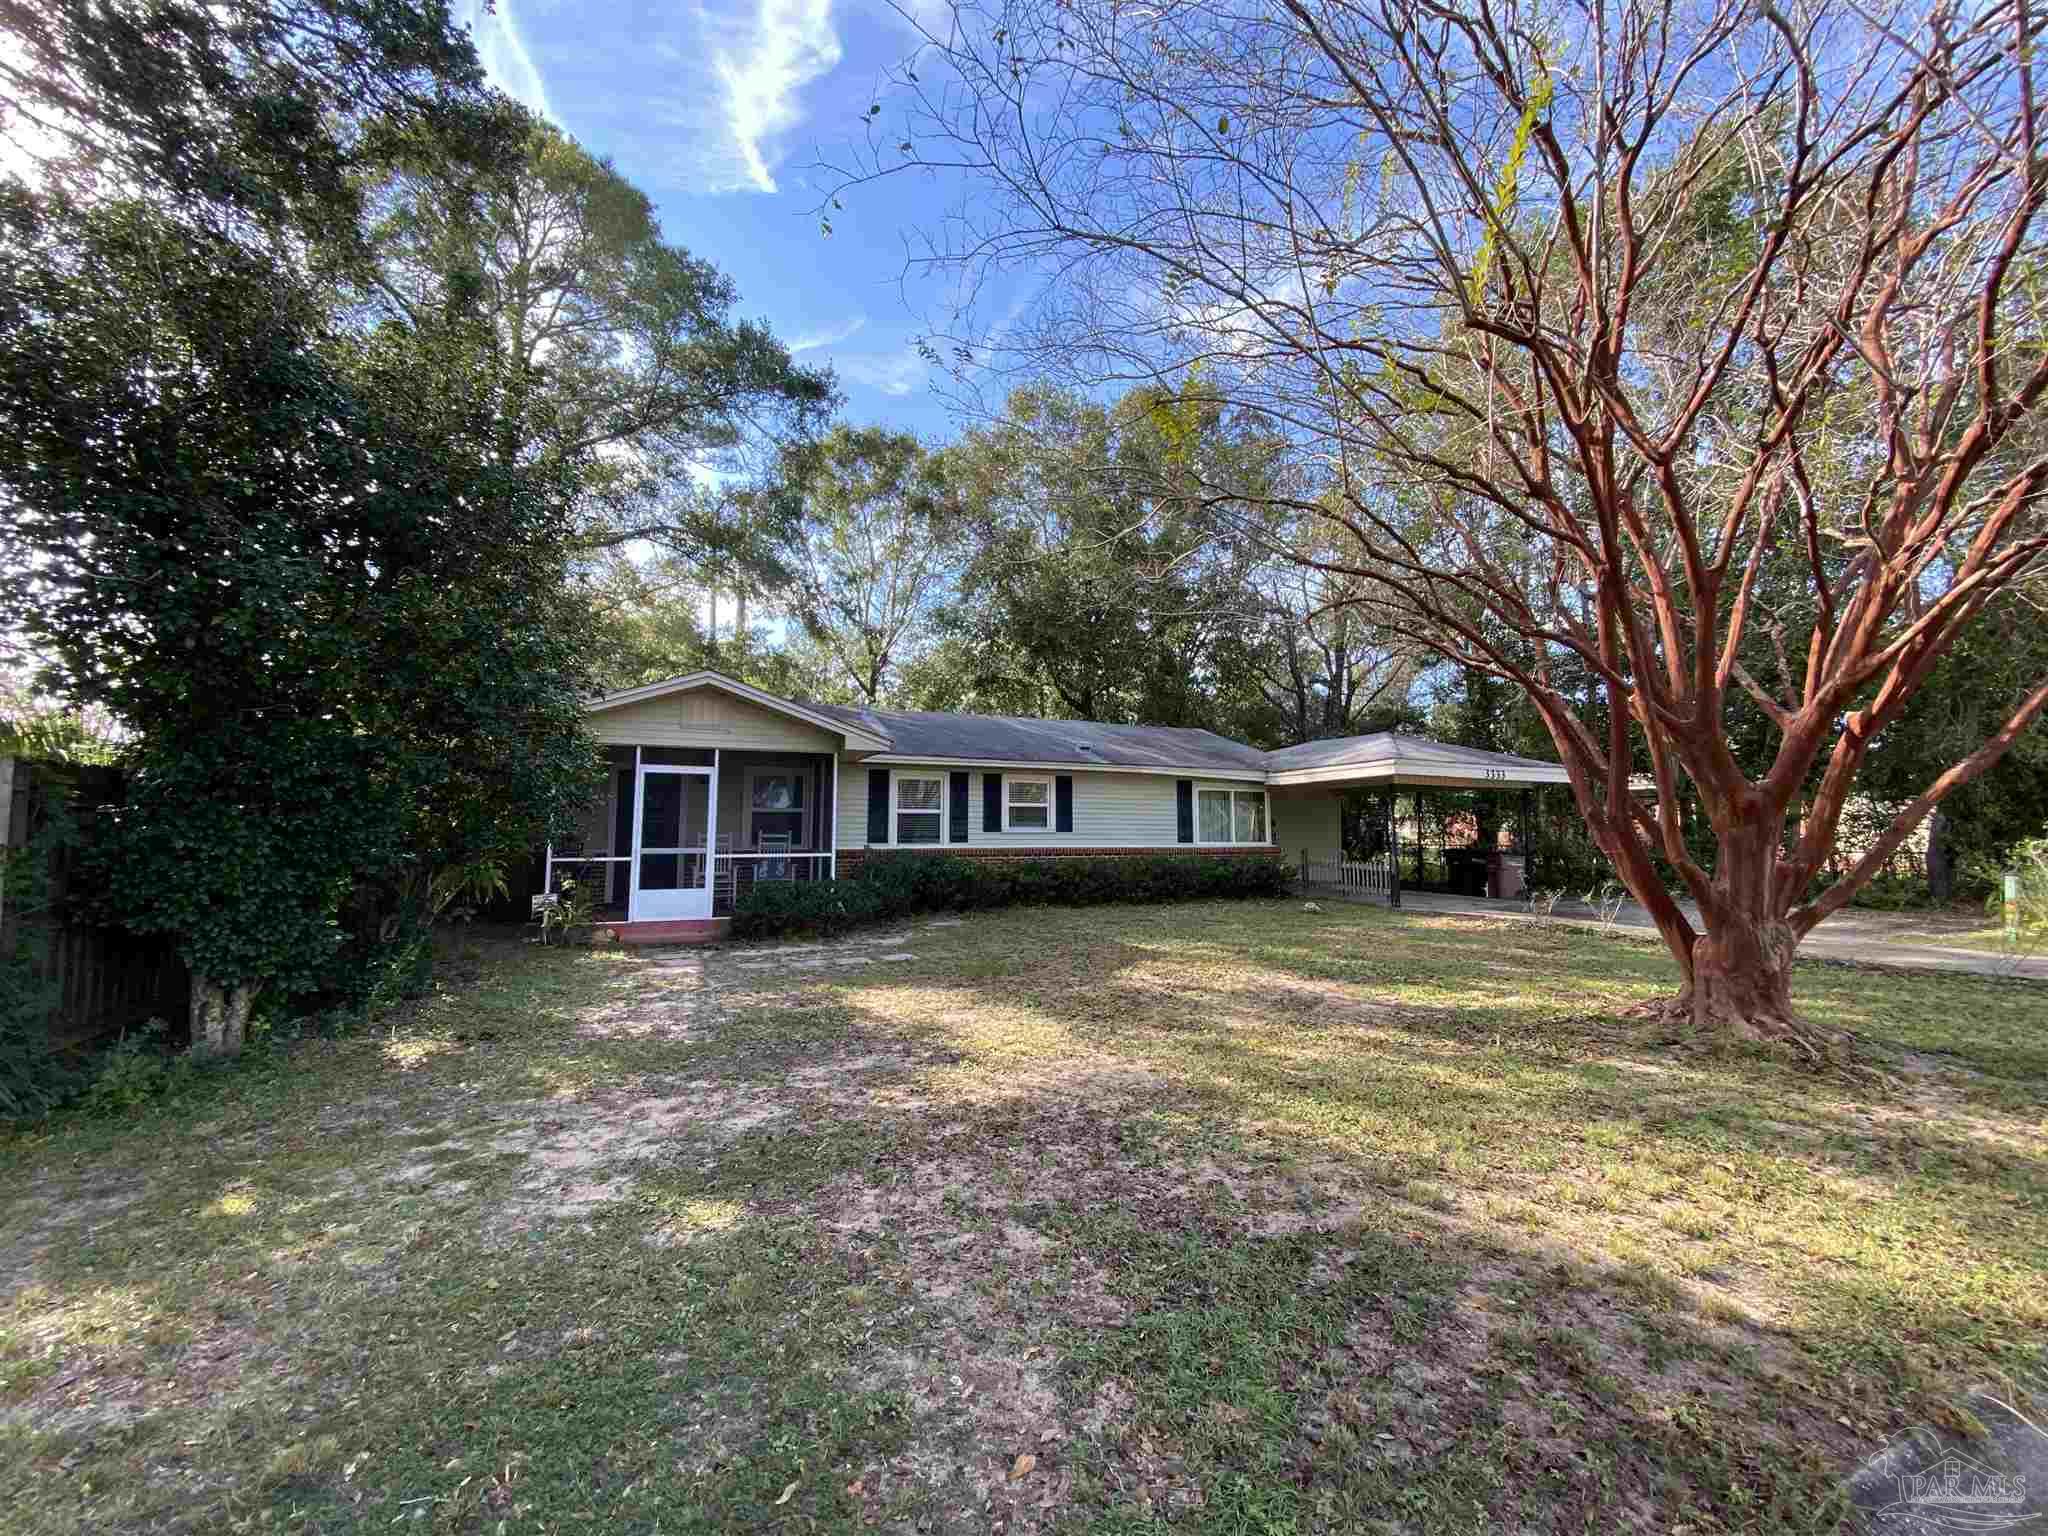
[625, 352]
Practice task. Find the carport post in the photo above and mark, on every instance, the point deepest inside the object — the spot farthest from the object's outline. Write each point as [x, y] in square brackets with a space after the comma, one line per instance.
[1393, 852]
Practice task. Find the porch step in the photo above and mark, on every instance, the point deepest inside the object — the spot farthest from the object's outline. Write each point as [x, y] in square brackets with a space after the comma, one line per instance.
[695, 930]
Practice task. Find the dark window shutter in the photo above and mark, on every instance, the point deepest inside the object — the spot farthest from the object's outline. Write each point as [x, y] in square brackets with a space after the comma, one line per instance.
[1063, 802]
[956, 812]
[878, 805]
[991, 802]
[1184, 809]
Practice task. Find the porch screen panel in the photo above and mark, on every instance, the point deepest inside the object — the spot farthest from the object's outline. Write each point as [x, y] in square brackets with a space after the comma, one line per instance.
[620, 876]
[777, 804]
[675, 826]
[661, 832]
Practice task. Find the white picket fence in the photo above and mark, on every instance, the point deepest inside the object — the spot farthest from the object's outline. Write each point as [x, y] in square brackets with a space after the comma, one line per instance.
[1362, 878]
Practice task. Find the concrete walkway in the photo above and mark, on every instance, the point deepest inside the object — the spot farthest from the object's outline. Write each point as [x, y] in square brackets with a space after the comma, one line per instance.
[1864, 938]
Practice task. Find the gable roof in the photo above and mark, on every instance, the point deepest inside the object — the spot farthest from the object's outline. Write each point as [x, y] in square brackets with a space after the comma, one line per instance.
[924, 736]
[1004, 741]
[858, 736]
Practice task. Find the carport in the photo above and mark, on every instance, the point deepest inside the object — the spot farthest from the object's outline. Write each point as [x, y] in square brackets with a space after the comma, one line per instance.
[1398, 766]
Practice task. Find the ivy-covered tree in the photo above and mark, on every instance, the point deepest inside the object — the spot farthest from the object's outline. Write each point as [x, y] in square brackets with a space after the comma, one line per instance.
[289, 561]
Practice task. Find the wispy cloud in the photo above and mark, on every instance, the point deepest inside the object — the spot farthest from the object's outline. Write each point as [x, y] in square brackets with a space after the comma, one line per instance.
[893, 373]
[503, 52]
[785, 45]
[831, 336]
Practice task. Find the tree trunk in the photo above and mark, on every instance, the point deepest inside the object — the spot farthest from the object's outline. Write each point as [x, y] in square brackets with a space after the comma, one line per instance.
[1741, 981]
[1941, 859]
[1736, 968]
[1738, 986]
[220, 1015]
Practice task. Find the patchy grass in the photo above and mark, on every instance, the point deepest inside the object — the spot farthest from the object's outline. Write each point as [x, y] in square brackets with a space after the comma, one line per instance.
[1207, 1219]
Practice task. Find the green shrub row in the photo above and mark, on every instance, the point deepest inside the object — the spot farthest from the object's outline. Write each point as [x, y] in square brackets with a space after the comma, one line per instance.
[894, 885]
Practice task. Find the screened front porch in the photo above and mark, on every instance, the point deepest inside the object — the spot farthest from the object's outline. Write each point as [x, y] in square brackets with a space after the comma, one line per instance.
[682, 833]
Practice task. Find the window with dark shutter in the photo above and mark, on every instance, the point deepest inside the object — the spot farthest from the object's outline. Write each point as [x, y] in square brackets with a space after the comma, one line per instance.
[878, 805]
[1063, 802]
[956, 825]
[991, 802]
[1184, 810]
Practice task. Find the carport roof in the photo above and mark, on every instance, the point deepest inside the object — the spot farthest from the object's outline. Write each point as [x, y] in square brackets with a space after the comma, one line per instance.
[1388, 756]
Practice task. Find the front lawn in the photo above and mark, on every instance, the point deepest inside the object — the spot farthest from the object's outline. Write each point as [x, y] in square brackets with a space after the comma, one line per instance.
[1229, 1218]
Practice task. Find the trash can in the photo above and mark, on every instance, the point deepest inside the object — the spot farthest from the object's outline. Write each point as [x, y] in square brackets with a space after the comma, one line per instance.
[1505, 875]
[1465, 869]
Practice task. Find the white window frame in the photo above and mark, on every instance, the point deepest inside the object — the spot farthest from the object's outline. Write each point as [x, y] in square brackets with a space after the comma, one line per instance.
[1010, 781]
[896, 778]
[795, 776]
[1232, 790]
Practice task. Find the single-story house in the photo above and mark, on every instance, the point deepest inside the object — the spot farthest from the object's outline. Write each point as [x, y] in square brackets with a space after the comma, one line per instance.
[715, 784]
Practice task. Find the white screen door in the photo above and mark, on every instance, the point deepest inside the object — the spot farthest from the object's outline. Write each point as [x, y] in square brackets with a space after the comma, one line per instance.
[672, 843]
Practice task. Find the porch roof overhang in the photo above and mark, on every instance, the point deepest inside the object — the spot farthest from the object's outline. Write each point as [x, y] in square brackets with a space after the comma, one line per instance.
[856, 737]
[1391, 758]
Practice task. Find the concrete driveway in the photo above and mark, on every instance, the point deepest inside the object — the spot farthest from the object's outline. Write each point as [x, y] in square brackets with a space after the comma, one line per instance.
[1864, 938]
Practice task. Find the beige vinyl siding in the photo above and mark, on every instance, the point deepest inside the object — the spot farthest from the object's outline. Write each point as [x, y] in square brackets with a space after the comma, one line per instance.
[1307, 818]
[853, 805]
[707, 717]
[1111, 810]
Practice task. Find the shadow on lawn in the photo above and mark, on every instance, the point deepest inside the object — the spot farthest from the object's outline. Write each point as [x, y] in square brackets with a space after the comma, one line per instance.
[1223, 1242]
[1314, 1046]
[1240, 1339]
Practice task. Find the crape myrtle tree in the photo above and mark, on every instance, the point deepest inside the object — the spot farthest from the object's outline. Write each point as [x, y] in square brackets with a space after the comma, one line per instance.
[1585, 314]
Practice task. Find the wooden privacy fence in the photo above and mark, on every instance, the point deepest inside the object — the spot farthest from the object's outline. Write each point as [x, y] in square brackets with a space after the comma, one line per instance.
[1359, 877]
[105, 979]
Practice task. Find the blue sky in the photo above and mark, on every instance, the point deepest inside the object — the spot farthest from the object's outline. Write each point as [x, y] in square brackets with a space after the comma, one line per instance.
[716, 108]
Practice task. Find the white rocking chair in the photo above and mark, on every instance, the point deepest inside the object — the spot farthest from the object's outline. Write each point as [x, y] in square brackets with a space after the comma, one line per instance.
[724, 882]
[776, 868]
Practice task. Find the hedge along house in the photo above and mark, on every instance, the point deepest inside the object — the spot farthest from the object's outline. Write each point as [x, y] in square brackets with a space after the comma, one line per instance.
[715, 786]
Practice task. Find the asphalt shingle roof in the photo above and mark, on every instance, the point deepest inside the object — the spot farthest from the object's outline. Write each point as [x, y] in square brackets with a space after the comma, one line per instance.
[1005, 739]
[1417, 752]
